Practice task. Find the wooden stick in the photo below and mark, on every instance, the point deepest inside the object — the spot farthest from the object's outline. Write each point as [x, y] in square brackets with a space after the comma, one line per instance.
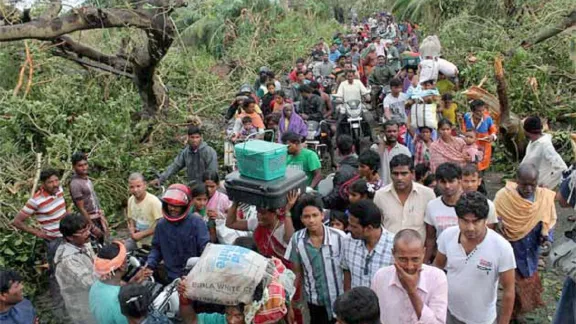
[30, 70]
[484, 79]
[20, 76]
[38, 170]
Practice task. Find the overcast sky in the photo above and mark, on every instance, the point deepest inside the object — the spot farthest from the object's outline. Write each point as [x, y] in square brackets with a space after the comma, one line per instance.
[66, 4]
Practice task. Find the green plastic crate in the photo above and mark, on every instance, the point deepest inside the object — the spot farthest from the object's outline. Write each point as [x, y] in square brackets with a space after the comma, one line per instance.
[261, 160]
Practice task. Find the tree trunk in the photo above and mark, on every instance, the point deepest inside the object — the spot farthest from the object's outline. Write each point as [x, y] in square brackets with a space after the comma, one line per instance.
[152, 92]
[140, 65]
[511, 130]
[568, 22]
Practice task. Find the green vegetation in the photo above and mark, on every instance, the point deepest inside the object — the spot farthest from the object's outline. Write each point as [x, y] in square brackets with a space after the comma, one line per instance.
[69, 108]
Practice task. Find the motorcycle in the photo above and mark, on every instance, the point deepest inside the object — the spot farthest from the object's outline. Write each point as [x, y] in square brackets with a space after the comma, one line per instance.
[165, 299]
[351, 121]
[318, 140]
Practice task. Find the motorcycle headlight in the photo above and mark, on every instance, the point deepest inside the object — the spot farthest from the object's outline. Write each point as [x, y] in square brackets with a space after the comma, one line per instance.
[354, 113]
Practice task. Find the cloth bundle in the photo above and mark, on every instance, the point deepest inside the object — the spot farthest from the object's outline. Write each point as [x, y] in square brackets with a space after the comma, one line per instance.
[228, 275]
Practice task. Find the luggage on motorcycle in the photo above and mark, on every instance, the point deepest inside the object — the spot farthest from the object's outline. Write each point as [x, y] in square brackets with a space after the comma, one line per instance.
[260, 159]
[423, 115]
[228, 275]
[428, 70]
[430, 47]
[447, 68]
[265, 194]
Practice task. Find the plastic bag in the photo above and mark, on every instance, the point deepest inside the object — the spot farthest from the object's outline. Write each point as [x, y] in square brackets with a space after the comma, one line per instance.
[226, 235]
[430, 47]
[423, 115]
[228, 275]
[447, 68]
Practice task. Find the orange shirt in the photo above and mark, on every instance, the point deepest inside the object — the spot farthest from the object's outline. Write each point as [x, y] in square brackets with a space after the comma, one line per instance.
[256, 119]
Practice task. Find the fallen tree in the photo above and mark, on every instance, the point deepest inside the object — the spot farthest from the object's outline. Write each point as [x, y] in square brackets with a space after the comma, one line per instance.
[139, 64]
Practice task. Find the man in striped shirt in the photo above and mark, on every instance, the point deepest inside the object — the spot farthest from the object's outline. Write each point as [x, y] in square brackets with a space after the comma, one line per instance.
[48, 207]
[370, 247]
[315, 253]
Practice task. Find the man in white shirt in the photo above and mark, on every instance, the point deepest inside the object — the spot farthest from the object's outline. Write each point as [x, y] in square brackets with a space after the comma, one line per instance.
[403, 202]
[476, 259]
[440, 212]
[395, 102]
[542, 154]
[352, 88]
[380, 46]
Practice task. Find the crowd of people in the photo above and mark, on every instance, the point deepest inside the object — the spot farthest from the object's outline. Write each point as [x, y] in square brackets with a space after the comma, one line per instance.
[406, 235]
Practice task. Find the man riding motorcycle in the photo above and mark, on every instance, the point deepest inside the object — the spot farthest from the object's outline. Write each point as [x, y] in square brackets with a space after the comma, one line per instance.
[351, 89]
[379, 79]
[312, 105]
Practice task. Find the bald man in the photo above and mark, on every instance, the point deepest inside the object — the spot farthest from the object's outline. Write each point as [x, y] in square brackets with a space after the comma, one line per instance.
[410, 291]
[528, 214]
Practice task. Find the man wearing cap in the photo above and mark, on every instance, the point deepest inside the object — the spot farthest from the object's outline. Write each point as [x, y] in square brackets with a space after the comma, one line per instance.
[542, 154]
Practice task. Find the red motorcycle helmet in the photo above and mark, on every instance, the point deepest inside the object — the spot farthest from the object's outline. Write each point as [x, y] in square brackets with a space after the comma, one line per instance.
[176, 195]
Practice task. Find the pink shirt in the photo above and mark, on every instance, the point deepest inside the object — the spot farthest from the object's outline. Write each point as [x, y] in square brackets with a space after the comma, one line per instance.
[219, 202]
[395, 306]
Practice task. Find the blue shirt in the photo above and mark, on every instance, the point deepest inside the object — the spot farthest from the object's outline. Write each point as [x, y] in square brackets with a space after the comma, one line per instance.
[21, 313]
[333, 56]
[104, 303]
[214, 318]
[176, 242]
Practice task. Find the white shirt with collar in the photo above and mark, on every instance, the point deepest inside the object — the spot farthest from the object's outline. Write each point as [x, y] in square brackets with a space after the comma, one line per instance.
[395, 216]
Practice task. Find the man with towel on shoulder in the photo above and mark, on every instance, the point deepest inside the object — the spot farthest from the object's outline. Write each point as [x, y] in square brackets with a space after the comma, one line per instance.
[528, 215]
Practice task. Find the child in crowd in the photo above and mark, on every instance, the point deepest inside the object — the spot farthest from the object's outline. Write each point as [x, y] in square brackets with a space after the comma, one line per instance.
[338, 220]
[430, 182]
[394, 102]
[246, 130]
[471, 148]
[421, 172]
[218, 202]
[360, 189]
[448, 107]
[422, 144]
[199, 201]
[444, 84]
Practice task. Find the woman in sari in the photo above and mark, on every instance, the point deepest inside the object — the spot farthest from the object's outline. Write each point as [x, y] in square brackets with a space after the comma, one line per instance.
[528, 215]
[272, 228]
[482, 123]
[447, 148]
[279, 102]
[290, 121]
